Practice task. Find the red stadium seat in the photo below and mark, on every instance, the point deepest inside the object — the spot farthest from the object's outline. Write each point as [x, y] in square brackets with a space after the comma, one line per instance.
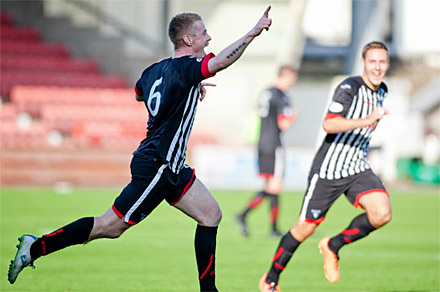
[5, 19]
[12, 48]
[15, 137]
[63, 117]
[48, 64]
[30, 99]
[8, 112]
[22, 34]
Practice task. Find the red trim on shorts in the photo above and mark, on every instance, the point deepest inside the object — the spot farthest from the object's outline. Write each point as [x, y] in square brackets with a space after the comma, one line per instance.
[120, 215]
[137, 91]
[188, 185]
[356, 203]
[266, 175]
[205, 70]
[331, 116]
[316, 221]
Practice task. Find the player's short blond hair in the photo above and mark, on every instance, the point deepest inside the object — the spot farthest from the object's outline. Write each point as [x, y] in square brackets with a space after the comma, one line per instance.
[180, 25]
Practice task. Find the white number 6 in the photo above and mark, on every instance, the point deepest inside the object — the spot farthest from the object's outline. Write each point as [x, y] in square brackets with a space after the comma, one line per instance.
[154, 97]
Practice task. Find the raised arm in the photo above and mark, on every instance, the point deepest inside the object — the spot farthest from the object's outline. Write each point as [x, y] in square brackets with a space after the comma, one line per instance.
[234, 51]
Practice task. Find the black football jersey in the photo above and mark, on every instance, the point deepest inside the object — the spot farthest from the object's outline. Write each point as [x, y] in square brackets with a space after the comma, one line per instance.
[273, 103]
[171, 90]
[344, 154]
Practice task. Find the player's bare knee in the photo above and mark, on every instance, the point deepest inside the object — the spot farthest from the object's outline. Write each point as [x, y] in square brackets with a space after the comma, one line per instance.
[380, 218]
[212, 218]
[302, 230]
[114, 233]
[218, 217]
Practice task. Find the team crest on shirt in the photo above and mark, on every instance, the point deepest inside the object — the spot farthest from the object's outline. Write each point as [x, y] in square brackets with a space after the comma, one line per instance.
[315, 213]
[335, 107]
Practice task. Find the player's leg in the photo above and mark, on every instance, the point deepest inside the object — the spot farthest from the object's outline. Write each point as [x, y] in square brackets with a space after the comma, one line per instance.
[274, 187]
[367, 191]
[199, 204]
[252, 204]
[266, 162]
[77, 232]
[378, 212]
[287, 246]
[80, 231]
[110, 225]
[319, 196]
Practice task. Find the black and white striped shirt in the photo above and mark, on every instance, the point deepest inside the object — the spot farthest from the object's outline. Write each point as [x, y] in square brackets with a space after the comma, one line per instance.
[171, 90]
[344, 154]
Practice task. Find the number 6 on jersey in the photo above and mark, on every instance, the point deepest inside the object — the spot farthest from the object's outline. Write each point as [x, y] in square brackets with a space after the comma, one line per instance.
[154, 97]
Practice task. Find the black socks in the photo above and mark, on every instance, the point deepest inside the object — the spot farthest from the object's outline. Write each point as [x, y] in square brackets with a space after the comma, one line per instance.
[274, 206]
[358, 228]
[286, 248]
[205, 244]
[74, 233]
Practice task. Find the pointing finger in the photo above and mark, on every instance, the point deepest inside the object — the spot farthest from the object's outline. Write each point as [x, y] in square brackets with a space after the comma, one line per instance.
[266, 13]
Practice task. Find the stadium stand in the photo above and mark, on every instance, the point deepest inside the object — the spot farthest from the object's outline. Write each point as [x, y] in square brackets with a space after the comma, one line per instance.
[27, 59]
[61, 117]
[52, 92]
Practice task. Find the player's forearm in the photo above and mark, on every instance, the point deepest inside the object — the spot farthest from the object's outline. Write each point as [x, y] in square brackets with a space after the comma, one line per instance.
[285, 122]
[230, 54]
[340, 124]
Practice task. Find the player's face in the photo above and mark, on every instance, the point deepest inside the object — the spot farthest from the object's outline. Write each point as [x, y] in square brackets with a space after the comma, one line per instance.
[290, 77]
[200, 39]
[375, 65]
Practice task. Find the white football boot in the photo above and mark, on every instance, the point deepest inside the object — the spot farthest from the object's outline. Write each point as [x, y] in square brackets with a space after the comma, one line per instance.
[22, 257]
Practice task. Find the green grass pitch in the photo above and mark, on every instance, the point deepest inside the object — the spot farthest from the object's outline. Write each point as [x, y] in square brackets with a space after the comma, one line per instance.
[158, 254]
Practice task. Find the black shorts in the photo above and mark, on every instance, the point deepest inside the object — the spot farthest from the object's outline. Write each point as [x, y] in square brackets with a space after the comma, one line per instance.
[272, 163]
[152, 181]
[322, 193]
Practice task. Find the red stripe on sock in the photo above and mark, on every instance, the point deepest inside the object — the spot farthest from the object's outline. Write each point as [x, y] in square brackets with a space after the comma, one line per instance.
[347, 240]
[278, 266]
[53, 233]
[274, 213]
[278, 254]
[351, 231]
[43, 244]
[255, 202]
[208, 267]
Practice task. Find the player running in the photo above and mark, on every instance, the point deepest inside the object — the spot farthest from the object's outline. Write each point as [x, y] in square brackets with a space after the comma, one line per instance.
[277, 115]
[341, 167]
[170, 89]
